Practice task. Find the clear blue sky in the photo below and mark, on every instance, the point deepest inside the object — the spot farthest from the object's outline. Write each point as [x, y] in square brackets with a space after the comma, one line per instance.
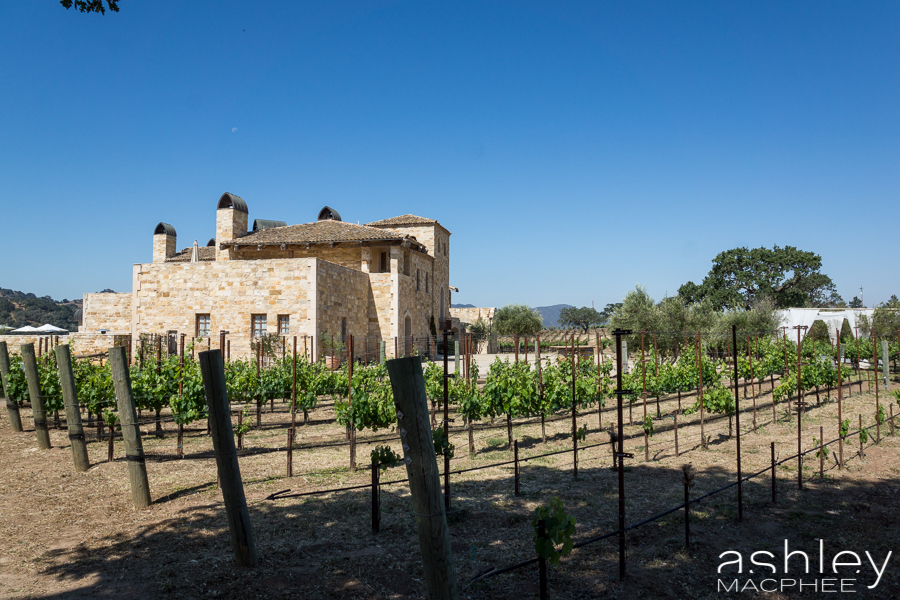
[573, 149]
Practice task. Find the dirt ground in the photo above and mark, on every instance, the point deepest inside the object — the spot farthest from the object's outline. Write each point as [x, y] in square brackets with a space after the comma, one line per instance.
[76, 535]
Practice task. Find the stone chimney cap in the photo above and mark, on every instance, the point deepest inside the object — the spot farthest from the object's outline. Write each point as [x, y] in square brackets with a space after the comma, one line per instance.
[164, 229]
[229, 200]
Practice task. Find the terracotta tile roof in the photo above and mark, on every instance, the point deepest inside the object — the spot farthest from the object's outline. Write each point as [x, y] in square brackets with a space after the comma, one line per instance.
[316, 233]
[206, 253]
[402, 220]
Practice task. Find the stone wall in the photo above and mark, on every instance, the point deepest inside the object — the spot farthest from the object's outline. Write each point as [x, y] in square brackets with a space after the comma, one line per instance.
[169, 296]
[79, 343]
[416, 303]
[342, 294]
[107, 311]
[471, 315]
[437, 240]
[380, 285]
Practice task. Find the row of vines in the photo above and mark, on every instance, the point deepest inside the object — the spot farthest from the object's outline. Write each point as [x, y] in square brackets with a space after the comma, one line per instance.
[511, 390]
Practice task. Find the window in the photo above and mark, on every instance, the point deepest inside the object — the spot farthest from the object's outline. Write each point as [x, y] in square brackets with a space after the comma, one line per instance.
[202, 325]
[426, 282]
[259, 325]
[344, 330]
[284, 324]
[385, 264]
[418, 276]
[406, 263]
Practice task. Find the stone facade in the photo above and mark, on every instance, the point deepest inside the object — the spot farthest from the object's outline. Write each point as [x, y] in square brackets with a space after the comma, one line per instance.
[471, 315]
[437, 240]
[107, 311]
[323, 278]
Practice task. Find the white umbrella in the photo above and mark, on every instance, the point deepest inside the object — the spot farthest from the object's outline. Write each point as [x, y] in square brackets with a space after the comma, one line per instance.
[195, 253]
[51, 329]
[26, 329]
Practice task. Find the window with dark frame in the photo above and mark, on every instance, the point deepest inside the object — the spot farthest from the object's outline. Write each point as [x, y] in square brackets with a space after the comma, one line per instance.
[203, 325]
[284, 324]
[259, 325]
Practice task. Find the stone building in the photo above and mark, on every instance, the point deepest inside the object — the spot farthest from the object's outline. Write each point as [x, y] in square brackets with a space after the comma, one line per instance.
[379, 281]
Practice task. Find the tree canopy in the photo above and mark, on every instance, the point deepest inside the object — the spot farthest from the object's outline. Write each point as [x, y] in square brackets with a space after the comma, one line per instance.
[740, 277]
[583, 318]
[517, 319]
[91, 5]
[886, 320]
[672, 319]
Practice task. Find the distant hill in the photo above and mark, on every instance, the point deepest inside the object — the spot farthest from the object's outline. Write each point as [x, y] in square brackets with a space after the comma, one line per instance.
[462, 306]
[550, 314]
[18, 309]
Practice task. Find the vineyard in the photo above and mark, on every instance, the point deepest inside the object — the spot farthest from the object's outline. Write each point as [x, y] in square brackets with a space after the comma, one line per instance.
[520, 434]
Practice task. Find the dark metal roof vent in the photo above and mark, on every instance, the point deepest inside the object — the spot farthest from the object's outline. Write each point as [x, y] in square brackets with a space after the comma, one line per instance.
[164, 229]
[263, 224]
[211, 242]
[229, 200]
[329, 214]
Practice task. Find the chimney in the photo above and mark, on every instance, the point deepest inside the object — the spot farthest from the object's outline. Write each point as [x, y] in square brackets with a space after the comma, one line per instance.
[231, 222]
[163, 242]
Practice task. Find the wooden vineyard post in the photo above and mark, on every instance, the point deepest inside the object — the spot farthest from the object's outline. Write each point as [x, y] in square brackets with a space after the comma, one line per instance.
[620, 453]
[862, 452]
[408, 385]
[212, 369]
[574, 416]
[800, 404]
[700, 392]
[877, 400]
[446, 427]
[656, 373]
[737, 424]
[599, 378]
[73, 414]
[644, 398]
[376, 499]
[294, 386]
[258, 397]
[131, 433]
[111, 437]
[892, 419]
[290, 452]
[34, 393]
[687, 512]
[12, 407]
[840, 403]
[752, 382]
[821, 453]
[675, 429]
[773, 471]
[351, 430]
[516, 466]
